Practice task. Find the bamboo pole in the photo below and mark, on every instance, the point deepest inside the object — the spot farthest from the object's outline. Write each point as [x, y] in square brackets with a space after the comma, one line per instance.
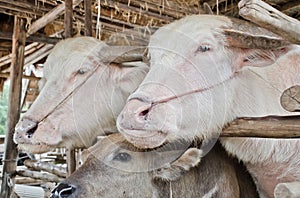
[88, 18]
[11, 152]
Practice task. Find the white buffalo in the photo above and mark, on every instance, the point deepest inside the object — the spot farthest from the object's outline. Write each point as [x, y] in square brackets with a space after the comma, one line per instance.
[205, 72]
[82, 93]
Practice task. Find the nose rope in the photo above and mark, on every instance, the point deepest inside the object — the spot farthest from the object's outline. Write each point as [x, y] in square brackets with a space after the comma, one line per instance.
[193, 91]
[164, 100]
[275, 88]
[71, 93]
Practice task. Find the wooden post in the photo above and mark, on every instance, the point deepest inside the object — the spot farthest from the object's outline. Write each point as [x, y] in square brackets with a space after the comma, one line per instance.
[68, 18]
[14, 109]
[71, 161]
[88, 18]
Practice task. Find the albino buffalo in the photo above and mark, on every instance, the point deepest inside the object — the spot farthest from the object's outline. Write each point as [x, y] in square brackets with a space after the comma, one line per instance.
[116, 169]
[81, 97]
[205, 72]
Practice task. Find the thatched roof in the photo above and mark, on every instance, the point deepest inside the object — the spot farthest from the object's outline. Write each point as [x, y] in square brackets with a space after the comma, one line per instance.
[135, 18]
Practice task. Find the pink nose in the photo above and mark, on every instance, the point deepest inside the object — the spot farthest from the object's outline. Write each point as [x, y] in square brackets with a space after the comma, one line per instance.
[134, 115]
[24, 130]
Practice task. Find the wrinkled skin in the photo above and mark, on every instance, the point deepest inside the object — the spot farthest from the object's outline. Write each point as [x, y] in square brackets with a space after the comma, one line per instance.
[203, 81]
[80, 98]
[117, 169]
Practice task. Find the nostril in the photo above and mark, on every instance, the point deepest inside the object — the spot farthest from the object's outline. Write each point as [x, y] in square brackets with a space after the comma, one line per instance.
[144, 113]
[31, 131]
[63, 190]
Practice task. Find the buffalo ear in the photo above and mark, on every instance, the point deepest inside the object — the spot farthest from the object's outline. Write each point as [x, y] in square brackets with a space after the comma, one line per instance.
[254, 45]
[178, 168]
[130, 71]
[259, 57]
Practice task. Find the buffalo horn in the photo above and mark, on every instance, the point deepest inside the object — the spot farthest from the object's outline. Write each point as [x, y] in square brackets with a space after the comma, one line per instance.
[244, 34]
[121, 54]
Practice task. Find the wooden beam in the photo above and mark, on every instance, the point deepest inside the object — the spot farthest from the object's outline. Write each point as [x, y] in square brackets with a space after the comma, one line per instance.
[28, 49]
[268, 17]
[88, 18]
[68, 18]
[49, 17]
[32, 38]
[265, 127]
[35, 56]
[46, 166]
[11, 152]
[38, 55]
[7, 75]
[49, 177]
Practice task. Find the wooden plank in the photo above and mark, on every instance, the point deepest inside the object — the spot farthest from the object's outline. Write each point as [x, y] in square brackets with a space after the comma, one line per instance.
[11, 152]
[68, 18]
[265, 127]
[88, 18]
[270, 18]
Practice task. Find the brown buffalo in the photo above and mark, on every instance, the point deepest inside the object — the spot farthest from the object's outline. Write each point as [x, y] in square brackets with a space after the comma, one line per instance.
[116, 169]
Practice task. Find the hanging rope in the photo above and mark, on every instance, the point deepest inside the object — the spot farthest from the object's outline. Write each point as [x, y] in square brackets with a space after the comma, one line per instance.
[98, 25]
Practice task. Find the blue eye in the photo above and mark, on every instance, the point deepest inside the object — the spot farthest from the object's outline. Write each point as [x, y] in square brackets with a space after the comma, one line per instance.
[203, 48]
[123, 157]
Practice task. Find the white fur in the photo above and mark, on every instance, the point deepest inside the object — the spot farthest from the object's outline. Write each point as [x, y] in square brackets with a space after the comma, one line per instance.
[235, 90]
[73, 109]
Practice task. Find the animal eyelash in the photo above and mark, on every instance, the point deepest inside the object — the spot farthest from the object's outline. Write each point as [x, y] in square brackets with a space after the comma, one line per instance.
[203, 48]
[81, 71]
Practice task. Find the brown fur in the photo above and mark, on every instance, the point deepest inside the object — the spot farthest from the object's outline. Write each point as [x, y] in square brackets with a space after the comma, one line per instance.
[98, 178]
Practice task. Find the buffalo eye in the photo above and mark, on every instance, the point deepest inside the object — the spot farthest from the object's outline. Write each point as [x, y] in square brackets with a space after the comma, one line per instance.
[81, 71]
[203, 48]
[123, 157]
